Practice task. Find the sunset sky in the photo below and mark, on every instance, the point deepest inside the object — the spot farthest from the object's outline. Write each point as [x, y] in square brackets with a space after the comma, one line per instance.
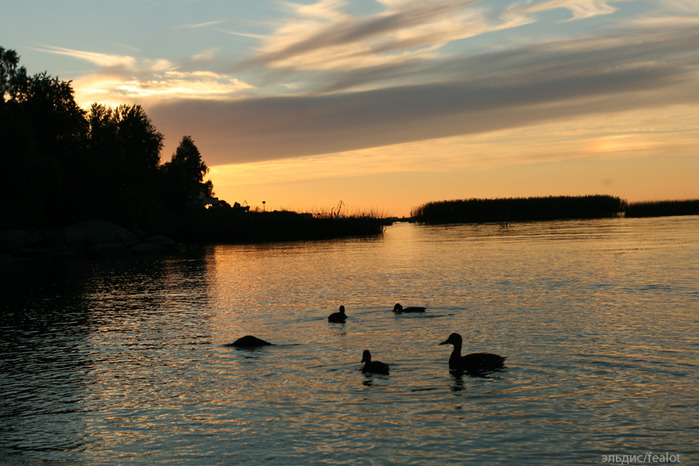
[388, 104]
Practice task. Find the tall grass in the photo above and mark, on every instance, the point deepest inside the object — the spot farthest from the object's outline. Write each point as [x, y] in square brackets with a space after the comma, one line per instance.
[519, 209]
[225, 225]
[663, 208]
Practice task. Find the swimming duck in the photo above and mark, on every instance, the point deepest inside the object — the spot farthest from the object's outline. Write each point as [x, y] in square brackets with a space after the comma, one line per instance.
[338, 316]
[375, 367]
[474, 363]
[398, 309]
[249, 341]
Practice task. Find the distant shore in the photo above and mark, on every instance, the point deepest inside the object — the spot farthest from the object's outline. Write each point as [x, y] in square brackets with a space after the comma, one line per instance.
[99, 239]
[226, 226]
[96, 239]
[662, 208]
[545, 208]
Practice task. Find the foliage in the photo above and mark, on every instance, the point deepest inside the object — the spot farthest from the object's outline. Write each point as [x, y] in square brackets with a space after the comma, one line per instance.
[123, 155]
[183, 176]
[663, 208]
[61, 164]
[519, 209]
[228, 225]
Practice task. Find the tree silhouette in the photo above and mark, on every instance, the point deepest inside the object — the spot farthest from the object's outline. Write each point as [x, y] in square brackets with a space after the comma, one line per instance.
[12, 77]
[124, 153]
[60, 164]
[40, 130]
[184, 175]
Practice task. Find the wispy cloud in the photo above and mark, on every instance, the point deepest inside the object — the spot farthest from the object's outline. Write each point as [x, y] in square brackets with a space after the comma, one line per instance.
[512, 88]
[200, 25]
[580, 9]
[99, 59]
[321, 36]
[123, 79]
[329, 80]
[169, 85]
[242, 34]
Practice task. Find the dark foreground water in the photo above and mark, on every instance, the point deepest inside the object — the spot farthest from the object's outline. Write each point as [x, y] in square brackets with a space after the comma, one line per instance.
[121, 362]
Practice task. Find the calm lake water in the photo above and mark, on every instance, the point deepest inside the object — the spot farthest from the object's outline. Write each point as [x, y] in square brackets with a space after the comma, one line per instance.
[124, 362]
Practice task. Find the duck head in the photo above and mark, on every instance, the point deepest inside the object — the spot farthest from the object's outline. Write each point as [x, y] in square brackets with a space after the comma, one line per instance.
[366, 356]
[397, 308]
[454, 339]
[342, 309]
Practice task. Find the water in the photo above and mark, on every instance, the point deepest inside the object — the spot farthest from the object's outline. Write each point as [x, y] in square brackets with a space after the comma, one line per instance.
[124, 362]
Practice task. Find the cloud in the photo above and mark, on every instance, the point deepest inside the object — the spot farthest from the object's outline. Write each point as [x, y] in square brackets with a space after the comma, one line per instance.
[99, 59]
[513, 88]
[242, 34]
[129, 79]
[580, 9]
[199, 25]
[321, 36]
[115, 89]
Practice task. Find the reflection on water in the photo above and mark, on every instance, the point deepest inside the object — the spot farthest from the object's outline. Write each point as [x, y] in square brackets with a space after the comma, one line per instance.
[125, 361]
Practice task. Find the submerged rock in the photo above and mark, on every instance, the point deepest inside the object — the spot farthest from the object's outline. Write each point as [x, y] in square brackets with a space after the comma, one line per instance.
[249, 341]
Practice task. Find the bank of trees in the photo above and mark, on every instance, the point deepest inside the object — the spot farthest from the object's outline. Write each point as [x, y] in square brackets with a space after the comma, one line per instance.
[60, 164]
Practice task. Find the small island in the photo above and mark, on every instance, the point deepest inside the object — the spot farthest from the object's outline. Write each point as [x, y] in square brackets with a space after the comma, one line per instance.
[507, 210]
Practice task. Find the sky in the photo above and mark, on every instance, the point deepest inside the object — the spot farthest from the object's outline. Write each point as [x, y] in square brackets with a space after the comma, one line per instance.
[385, 105]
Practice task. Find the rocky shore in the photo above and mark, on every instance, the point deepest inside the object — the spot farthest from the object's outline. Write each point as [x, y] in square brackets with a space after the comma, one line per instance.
[87, 239]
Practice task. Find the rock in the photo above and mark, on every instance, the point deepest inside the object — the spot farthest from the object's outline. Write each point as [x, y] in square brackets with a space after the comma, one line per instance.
[90, 238]
[108, 249]
[148, 249]
[167, 243]
[249, 341]
[90, 232]
[13, 240]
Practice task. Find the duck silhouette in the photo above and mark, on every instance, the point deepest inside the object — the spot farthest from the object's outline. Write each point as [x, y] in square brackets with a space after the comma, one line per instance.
[339, 316]
[249, 341]
[375, 367]
[399, 309]
[474, 363]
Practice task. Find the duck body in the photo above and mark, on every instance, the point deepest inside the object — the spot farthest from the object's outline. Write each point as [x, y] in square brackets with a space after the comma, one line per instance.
[400, 309]
[474, 363]
[339, 316]
[374, 367]
[249, 341]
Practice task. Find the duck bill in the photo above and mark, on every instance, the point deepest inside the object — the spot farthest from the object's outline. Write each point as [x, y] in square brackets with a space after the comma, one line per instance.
[444, 342]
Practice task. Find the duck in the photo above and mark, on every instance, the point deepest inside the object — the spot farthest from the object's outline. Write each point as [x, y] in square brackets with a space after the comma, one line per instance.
[398, 309]
[474, 363]
[375, 367]
[339, 316]
[249, 341]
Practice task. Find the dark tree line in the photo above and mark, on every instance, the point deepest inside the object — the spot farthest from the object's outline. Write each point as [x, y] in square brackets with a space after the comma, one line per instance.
[519, 209]
[60, 164]
[663, 208]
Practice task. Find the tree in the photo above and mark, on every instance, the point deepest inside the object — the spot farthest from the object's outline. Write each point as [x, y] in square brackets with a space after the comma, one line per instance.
[184, 175]
[41, 129]
[124, 156]
[12, 78]
[59, 163]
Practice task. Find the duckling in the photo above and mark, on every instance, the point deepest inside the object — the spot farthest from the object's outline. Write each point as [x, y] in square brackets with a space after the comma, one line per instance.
[474, 363]
[375, 367]
[399, 309]
[249, 341]
[338, 316]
